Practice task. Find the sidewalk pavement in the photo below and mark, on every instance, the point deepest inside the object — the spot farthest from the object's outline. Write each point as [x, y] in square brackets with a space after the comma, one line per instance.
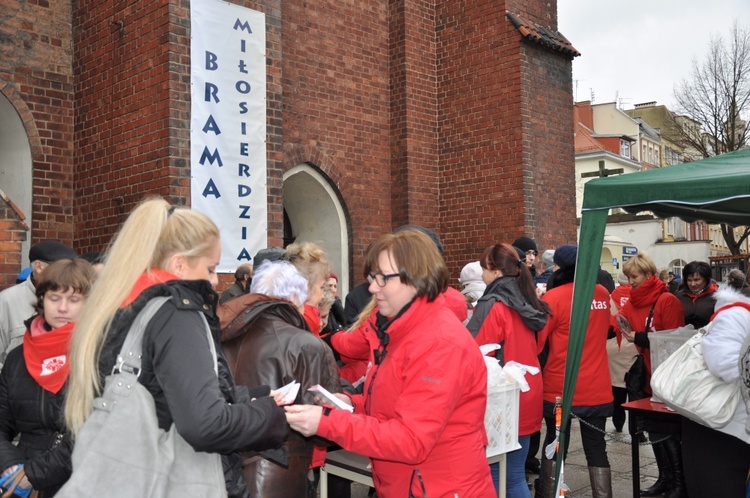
[576, 470]
[619, 454]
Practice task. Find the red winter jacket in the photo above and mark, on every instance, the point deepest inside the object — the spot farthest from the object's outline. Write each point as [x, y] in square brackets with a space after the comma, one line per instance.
[456, 302]
[422, 409]
[354, 347]
[521, 345]
[594, 386]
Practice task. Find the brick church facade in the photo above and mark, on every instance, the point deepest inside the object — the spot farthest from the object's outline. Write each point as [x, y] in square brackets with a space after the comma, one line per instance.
[453, 115]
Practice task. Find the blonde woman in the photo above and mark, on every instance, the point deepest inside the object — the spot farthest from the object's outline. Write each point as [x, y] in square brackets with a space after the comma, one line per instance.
[652, 308]
[310, 259]
[163, 250]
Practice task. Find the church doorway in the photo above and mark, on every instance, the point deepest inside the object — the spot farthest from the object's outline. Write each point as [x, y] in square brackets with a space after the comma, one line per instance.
[16, 166]
[313, 212]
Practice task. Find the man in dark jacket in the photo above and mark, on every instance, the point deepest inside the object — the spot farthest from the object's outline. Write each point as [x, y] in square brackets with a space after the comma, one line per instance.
[243, 276]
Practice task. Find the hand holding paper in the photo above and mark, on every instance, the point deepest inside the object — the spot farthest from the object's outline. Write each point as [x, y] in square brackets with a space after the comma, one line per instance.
[330, 398]
[286, 395]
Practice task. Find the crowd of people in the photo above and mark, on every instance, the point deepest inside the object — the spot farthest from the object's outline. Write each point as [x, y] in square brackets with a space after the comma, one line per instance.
[401, 351]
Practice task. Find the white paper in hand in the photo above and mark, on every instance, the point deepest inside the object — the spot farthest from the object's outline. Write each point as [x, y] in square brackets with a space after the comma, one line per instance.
[289, 392]
[329, 398]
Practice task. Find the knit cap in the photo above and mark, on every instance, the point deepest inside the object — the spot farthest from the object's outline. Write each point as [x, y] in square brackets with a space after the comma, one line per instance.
[548, 258]
[472, 272]
[525, 244]
[565, 256]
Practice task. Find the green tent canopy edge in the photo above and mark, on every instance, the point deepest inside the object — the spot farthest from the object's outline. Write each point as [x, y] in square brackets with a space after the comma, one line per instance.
[715, 190]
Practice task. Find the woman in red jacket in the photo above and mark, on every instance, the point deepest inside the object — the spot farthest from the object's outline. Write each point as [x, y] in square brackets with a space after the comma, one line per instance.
[652, 308]
[421, 416]
[592, 399]
[514, 321]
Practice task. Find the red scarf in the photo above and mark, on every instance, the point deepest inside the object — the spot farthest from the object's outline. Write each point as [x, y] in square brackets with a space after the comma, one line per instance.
[712, 287]
[648, 292]
[152, 277]
[312, 317]
[46, 354]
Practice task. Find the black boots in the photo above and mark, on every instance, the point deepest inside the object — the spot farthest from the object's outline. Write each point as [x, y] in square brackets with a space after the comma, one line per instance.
[662, 484]
[546, 488]
[674, 454]
[671, 481]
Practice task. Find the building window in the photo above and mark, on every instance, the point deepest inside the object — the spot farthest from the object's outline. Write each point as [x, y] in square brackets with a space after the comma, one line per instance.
[625, 148]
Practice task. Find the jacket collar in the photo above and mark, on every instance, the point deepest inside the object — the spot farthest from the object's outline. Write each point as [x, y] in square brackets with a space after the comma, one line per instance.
[509, 293]
[237, 314]
[418, 311]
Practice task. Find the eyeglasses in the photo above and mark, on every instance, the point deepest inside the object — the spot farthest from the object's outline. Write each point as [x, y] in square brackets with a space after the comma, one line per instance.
[380, 278]
[532, 252]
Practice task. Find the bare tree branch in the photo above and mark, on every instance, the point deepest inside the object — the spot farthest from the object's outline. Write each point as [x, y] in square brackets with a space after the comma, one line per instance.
[717, 97]
[713, 105]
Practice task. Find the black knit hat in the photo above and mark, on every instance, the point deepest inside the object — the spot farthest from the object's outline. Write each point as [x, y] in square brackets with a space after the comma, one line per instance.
[525, 244]
[50, 251]
[565, 256]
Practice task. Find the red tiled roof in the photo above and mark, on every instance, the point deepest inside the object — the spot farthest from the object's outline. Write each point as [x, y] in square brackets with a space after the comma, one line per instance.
[544, 36]
[585, 142]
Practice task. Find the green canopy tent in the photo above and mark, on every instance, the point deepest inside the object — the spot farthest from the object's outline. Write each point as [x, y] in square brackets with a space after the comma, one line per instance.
[715, 190]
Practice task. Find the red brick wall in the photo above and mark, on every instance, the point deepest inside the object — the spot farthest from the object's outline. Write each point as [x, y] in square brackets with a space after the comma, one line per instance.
[506, 141]
[336, 107]
[132, 111]
[36, 76]
[481, 137]
[414, 113]
[547, 123]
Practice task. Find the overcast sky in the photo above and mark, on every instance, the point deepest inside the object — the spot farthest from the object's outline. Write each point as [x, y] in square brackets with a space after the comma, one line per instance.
[637, 51]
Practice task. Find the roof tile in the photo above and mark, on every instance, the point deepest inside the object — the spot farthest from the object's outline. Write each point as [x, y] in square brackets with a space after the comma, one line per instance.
[544, 36]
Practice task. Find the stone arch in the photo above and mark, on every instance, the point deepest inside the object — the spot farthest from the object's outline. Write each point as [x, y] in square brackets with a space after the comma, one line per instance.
[20, 143]
[606, 262]
[315, 212]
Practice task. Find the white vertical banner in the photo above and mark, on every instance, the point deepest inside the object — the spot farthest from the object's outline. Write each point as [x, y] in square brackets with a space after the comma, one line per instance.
[228, 125]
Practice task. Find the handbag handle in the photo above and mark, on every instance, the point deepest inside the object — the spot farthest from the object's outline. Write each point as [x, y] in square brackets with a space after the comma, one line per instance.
[650, 317]
[13, 482]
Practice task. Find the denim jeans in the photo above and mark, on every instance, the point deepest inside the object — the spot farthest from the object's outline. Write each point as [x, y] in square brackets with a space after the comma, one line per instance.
[515, 468]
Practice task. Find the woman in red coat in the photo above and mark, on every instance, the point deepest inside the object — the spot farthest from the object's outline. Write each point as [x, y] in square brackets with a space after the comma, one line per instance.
[652, 308]
[514, 321]
[421, 416]
[592, 399]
